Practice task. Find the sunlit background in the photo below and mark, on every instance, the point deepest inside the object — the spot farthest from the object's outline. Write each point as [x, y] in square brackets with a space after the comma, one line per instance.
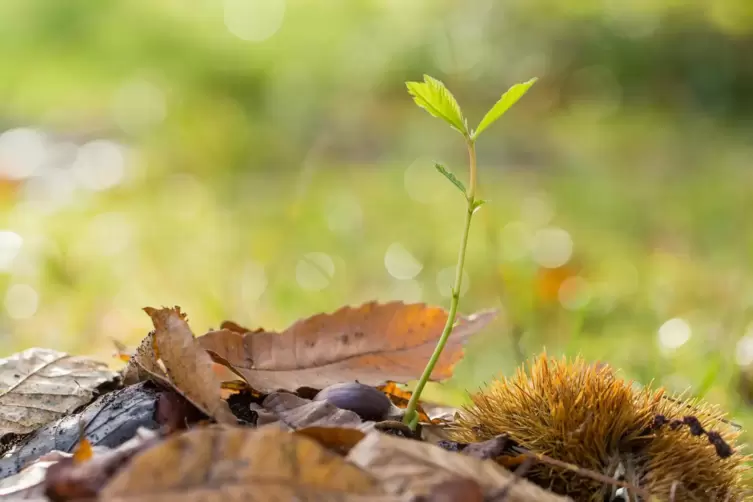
[262, 161]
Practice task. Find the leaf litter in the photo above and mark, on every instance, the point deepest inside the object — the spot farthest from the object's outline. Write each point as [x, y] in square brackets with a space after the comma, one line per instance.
[38, 386]
[370, 344]
[316, 417]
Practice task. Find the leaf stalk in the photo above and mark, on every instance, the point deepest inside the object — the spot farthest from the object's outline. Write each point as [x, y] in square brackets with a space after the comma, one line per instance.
[410, 417]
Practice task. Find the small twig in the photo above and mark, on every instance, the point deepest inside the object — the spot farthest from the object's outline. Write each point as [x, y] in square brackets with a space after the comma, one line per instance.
[588, 473]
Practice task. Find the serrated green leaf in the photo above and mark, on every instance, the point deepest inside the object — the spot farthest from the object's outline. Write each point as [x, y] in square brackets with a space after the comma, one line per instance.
[435, 98]
[448, 174]
[508, 99]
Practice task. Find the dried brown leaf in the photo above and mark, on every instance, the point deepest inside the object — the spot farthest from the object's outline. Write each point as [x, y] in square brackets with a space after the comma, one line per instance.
[372, 343]
[297, 413]
[77, 479]
[188, 368]
[337, 439]
[412, 467]
[232, 464]
[38, 386]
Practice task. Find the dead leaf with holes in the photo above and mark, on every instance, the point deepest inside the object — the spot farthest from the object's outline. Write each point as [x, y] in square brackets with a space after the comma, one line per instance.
[188, 368]
[233, 464]
[38, 386]
[372, 343]
[408, 467]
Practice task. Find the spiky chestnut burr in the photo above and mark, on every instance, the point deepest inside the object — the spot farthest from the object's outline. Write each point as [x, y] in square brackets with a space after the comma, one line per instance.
[585, 415]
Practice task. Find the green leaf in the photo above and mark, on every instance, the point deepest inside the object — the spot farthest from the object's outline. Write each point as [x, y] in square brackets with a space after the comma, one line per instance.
[477, 204]
[435, 98]
[505, 102]
[448, 174]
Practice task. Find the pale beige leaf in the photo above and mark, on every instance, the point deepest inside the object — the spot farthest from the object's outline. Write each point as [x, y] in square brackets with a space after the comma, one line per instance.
[233, 464]
[38, 386]
[188, 367]
[372, 343]
[408, 466]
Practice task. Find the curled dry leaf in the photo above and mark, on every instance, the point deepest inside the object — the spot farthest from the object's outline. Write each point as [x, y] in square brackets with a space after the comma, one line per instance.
[38, 386]
[412, 467]
[241, 464]
[369, 344]
[188, 368]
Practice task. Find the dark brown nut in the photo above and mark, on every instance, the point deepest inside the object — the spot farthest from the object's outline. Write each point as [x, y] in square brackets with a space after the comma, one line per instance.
[367, 402]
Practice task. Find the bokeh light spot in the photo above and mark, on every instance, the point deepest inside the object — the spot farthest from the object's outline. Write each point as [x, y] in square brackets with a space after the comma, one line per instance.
[314, 271]
[99, 165]
[552, 247]
[10, 245]
[744, 348]
[446, 279]
[515, 241]
[400, 263]
[21, 301]
[674, 333]
[537, 211]
[254, 20]
[22, 153]
[574, 293]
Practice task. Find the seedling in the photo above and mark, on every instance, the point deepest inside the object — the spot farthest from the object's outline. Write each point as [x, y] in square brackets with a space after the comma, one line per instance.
[435, 98]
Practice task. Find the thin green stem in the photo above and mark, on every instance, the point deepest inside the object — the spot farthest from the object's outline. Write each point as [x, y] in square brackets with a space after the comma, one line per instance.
[410, 417]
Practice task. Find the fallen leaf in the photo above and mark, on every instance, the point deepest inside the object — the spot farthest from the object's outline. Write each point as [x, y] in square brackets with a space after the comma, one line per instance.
[411, 467]
[143, 365]
[38, 386]
[401, 397]
[109, 421]
[337, 439]
[241, 464]
[296, 413]
[456, 490]
[233, 326]
[72, 479]
[188, 368]
[29, 483]
[369, 344]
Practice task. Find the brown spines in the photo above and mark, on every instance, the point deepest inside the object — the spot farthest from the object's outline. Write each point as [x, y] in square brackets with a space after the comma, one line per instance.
[584, 415]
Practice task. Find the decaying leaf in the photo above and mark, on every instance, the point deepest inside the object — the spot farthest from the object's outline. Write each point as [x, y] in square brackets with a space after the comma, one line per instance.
[371, 344]
[187, 367]
[38, 386]
[296, 413]
[74, 479]
[109, 421]
[241, 464]
[405, 466]
[143, 365]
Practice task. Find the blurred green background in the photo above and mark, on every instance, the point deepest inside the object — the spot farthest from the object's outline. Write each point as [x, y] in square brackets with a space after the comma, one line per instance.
[262, 161]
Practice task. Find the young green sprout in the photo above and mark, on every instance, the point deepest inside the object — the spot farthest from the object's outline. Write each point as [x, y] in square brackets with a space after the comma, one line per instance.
[435, 98]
